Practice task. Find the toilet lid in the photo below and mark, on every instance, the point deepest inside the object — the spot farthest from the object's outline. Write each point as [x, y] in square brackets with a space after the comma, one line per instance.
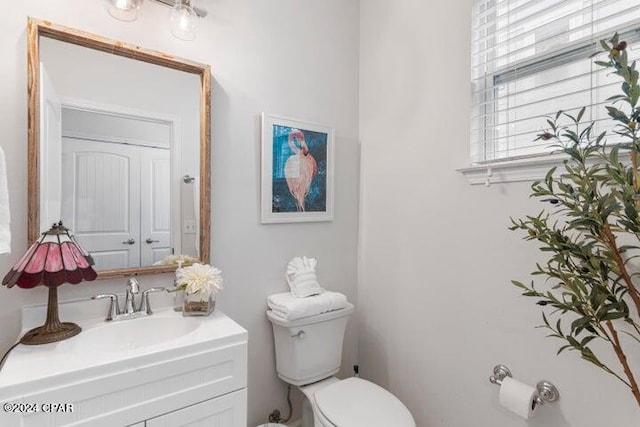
[358, 403]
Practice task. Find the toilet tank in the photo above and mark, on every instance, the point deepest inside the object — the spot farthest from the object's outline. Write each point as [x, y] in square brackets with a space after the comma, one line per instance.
[309, 349]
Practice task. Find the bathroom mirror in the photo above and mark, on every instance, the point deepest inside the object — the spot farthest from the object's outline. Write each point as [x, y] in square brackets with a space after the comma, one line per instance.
[118, 149]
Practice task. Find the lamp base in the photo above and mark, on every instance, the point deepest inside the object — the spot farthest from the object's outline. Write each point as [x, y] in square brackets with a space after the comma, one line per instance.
[50, 333]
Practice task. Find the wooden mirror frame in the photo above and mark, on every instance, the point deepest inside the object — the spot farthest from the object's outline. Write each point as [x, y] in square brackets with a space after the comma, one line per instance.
[37, 28]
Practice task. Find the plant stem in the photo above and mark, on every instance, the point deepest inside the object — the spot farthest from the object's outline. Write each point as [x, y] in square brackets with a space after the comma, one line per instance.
[623, 361]
[605, 336]
[634, 172]
[610, 238]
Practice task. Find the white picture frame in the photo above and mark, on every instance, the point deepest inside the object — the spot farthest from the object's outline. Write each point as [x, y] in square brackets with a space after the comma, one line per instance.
[297, 171]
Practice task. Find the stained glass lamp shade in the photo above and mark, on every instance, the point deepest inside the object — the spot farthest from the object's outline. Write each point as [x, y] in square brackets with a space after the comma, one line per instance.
[56, 258]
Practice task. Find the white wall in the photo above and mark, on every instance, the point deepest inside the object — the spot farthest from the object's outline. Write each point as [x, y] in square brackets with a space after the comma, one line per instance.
[436, 307]
[283, 57]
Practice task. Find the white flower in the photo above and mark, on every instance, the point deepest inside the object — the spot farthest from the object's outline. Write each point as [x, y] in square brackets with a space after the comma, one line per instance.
[200, 278]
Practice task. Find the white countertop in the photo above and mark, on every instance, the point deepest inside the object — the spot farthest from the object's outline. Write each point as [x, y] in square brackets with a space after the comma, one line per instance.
[28, 365]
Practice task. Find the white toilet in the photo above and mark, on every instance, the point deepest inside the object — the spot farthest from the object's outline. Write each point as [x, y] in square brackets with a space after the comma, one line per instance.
[308, 355]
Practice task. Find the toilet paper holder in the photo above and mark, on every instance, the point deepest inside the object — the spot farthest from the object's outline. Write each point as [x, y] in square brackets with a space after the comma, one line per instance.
[547, 392]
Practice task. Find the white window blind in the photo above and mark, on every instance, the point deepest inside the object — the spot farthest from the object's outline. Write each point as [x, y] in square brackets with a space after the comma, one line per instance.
[531, 58]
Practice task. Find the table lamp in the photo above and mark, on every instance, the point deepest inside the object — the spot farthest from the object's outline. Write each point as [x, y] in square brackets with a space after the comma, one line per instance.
[56, 258]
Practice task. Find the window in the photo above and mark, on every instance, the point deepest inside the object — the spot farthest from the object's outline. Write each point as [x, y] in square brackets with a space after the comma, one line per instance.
[531, 58]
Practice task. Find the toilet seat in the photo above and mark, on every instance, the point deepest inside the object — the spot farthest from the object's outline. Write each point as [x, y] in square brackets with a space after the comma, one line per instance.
[354, 402]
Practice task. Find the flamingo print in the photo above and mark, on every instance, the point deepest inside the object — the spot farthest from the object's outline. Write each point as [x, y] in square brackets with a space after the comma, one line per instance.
[300, 168]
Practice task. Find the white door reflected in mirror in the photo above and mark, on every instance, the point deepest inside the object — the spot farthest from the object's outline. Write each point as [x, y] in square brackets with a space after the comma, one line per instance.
[119, 196]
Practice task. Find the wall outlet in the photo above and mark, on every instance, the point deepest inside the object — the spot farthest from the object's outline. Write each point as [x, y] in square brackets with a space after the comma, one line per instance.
[189, 226]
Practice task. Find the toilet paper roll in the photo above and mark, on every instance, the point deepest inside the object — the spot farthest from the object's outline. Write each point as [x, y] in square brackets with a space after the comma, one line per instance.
[518, 397]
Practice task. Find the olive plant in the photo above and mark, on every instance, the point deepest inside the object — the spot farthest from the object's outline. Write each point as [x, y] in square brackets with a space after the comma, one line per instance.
[590, 228]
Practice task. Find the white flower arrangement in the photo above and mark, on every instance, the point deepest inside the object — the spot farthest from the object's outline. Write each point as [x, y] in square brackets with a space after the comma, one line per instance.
[200, 279]
[178, 259]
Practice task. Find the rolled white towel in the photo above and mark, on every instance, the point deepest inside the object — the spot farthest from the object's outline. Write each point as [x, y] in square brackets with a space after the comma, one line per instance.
[289, 307]
[304, 284]
[301, 277]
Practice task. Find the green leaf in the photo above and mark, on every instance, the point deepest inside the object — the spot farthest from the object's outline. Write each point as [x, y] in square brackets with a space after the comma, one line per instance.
[580, 323]
[616, 97]
[546, 321]
[616, 114]
[548, 178]
[519, 284]
[613, 316]
[635, 93]
[624, 72]
[626, 88]
[624, 60]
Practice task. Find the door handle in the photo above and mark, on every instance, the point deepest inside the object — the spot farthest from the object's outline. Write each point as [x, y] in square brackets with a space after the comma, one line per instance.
[150, 240]
[129, 242]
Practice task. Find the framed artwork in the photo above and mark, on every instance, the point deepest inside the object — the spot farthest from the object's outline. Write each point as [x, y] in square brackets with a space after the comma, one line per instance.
[297, 171]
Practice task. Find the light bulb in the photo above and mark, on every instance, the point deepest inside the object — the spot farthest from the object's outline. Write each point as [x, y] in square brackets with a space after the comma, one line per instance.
[124, 10]
[184, 20]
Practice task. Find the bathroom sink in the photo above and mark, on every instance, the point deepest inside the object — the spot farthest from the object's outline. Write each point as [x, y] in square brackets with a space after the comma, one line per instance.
[127, 372]
[113, 346]
[133, 334]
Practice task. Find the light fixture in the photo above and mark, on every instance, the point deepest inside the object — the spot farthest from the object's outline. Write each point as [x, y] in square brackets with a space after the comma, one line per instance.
[124, 10]
[56, 258]
[183, 17]
[184, 20]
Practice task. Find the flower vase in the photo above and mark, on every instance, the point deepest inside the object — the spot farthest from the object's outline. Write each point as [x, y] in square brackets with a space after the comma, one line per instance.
[178, 300]
[196, 304]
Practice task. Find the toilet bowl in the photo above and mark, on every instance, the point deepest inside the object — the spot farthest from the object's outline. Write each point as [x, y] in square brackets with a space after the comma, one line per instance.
[354, 402]
[309, 354]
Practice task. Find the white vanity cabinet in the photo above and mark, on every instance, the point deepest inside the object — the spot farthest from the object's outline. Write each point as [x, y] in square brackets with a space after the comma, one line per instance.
[228, 410]
[198, 379]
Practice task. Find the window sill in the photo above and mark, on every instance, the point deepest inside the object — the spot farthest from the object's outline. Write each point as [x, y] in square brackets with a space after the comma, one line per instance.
[523, 170]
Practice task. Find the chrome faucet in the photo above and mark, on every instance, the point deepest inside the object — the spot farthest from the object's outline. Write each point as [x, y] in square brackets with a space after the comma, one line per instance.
[114, 307]
[144, 306]
[133, 288]
[130, 310]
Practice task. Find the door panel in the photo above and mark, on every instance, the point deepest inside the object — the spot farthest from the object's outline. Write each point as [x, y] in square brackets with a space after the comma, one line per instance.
[101, 200]
[155, 208]
[108, 260]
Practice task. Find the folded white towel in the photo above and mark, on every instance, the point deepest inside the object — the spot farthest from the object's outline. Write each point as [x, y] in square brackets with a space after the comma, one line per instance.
[5, 218]
[301, 277]
[289, 307]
